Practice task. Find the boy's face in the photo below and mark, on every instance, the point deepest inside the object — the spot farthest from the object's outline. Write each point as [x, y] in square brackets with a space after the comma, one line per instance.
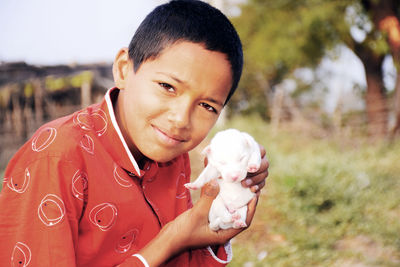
[169, 105]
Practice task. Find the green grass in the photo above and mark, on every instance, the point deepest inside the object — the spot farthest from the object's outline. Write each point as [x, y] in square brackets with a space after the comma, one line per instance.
[329, 201]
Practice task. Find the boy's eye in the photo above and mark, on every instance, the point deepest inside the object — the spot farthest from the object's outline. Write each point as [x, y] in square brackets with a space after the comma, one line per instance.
[167, 87]
[208, 107]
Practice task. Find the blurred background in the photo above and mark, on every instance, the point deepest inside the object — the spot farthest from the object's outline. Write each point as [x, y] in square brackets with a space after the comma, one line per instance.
[320, 91]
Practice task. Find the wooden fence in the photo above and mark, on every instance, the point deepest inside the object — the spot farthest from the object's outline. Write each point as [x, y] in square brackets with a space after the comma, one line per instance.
[31, 96]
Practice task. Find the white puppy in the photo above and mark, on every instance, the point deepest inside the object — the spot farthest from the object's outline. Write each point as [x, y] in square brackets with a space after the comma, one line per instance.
[231, 154]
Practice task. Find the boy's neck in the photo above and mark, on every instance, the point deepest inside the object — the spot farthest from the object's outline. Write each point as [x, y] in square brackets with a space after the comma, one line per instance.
[139, 158]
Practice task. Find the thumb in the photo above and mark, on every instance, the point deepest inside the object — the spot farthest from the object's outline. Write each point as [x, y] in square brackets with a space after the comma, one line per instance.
[208, 193]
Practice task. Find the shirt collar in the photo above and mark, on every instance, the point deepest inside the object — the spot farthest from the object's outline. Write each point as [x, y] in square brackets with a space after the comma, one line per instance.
[114, 140]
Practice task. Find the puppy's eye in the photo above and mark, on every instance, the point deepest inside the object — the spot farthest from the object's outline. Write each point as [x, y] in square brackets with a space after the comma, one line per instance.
[167, 87]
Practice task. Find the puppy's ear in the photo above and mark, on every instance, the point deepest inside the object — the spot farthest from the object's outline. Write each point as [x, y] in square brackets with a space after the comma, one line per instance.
[250, 142]
[206, 151]
[249, 139]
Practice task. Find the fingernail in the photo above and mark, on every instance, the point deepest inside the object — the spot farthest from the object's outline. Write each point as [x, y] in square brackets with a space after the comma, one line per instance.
[254, 188]
[248, 181]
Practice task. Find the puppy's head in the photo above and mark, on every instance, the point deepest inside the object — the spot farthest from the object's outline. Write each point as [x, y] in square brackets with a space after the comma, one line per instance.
[229, 152]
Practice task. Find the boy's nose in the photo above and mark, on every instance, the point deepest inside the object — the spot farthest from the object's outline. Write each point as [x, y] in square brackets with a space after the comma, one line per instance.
[179, 115]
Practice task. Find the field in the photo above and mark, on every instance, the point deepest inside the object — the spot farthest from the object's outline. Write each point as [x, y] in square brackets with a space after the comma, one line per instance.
[329, 201]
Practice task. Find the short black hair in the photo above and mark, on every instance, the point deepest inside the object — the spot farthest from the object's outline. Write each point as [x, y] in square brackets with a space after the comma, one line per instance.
[187, 20]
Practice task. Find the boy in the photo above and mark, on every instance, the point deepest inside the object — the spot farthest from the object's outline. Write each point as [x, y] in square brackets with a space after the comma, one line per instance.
[104, 186]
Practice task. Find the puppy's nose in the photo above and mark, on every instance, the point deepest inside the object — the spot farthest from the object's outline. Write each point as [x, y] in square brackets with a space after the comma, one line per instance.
[234, 177]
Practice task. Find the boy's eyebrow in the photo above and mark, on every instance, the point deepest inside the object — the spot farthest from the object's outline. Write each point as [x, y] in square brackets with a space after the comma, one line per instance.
[215, 101]
[171, 76]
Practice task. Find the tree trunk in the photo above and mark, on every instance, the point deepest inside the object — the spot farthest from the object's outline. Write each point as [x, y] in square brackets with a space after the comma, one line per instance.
[386, 20]
[376, 104]
[390, 25]
[396, 104]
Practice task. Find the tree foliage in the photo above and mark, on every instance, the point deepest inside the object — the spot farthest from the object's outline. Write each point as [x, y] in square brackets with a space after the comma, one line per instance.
[280, 36]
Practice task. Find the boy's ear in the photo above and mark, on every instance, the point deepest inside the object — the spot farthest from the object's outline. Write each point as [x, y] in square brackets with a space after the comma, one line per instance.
[121, 67]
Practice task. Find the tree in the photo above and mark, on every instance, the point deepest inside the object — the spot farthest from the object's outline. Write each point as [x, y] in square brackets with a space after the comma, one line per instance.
[386, 14]
[281, 36]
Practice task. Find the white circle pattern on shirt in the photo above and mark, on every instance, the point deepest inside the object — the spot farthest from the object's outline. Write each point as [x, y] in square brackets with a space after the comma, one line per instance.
[21, 255]
[87, 144]
[19, 183]
[88, 121]
[51, 210]
[79, 184]
[104, 216]
[43, 139]
[126, 240]
[120, 179]
[181, 190]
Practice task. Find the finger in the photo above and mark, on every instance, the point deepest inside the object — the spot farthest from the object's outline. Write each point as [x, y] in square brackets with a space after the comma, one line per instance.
[257, 188]
[251, 210]
[259, 176]
[258, 180]
[263, 166]
[208, 193]
[210, 189]
[262, 151]
[255, 179]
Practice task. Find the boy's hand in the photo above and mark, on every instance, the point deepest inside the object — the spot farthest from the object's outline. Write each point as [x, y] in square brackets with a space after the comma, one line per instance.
[191, 230]
[191, 227]
[256, 181]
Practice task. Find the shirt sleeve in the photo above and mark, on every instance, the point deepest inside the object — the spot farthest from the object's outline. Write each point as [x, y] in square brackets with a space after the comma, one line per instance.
[135, 260]
[195, 258]
[207, 257]
[39, 212]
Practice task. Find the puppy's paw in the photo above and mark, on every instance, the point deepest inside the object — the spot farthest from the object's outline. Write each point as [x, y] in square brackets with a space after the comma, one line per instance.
[253, 168]
[239, 224]
[235, 216]
[191, 186]
[231, 209]
[214, 227]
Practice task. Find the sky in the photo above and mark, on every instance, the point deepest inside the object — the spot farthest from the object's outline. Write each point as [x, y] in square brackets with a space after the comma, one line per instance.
[48, 32]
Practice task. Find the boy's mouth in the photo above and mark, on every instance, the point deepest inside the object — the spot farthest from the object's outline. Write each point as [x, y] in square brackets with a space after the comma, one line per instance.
[167, 138]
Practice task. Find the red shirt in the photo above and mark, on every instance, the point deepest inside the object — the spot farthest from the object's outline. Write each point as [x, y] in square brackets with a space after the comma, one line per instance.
[73, 195]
